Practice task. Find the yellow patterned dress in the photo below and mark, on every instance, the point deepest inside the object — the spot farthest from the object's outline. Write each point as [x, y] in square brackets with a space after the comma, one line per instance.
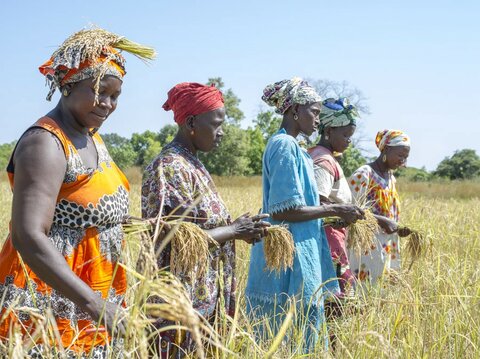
[380, 194]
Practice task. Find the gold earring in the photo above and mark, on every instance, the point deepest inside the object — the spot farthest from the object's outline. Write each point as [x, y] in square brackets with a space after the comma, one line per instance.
[65, 92]
[384, 158]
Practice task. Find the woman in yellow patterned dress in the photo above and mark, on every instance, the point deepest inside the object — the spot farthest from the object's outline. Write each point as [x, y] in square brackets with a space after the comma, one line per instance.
[374, 186]
[69, 199]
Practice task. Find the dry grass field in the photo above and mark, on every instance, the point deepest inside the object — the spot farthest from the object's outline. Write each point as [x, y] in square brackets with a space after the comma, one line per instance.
[431, 311]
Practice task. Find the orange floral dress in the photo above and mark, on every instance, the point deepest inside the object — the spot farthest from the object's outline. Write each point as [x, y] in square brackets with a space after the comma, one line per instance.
[380, 195]
[86, 229]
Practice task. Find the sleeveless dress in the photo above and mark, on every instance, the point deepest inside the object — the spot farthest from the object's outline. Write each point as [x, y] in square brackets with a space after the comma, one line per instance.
[86, 229]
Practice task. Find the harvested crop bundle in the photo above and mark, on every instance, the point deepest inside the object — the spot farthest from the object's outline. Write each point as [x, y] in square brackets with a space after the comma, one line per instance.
[190, 249]
[190, 252]
[279, 248]
[416, 244]
[361, 234]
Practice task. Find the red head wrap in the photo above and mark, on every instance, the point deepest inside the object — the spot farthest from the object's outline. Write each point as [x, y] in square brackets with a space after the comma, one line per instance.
[190, 99]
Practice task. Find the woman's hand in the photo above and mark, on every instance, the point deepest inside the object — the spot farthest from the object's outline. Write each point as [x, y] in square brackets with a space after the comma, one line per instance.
[404, 231]
[250, 229]
[160, 228]
[110, 315]
[348, 212]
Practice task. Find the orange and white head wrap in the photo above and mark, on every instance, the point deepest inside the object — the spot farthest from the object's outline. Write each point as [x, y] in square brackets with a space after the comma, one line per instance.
[391, 138]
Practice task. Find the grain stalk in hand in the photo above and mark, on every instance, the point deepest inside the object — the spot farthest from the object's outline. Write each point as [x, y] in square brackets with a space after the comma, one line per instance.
[279, 248]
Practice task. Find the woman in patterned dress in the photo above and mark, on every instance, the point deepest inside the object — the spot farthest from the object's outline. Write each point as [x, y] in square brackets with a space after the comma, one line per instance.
[374, 186]
[69, 199]
[175, 182]
[290, 196]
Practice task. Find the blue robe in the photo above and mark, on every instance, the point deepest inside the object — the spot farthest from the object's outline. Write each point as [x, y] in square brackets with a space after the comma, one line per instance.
[288, 183]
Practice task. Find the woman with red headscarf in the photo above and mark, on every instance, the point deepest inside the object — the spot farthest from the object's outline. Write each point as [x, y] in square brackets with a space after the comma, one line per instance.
[177, 182]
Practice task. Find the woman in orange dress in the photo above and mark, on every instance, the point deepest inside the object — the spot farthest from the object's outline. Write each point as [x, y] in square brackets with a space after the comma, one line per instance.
[69, 200]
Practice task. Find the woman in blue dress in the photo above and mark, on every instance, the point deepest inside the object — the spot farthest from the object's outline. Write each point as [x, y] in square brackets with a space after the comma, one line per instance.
[290, 196]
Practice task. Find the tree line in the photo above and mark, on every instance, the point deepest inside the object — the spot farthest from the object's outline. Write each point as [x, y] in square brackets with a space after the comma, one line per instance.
[240, 152]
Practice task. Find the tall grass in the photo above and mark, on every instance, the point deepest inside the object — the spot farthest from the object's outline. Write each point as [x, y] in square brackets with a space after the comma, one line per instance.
[432, 311]
[441, 188]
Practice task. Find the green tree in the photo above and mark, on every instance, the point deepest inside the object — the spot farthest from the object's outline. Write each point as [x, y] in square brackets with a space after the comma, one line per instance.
[268, 123]
[167, 134]
[232, 102]
[147, 145]
[351, 160]
[153, 149]
[120, 149]
[6, 151]
[256, 146]
[464, 164]
[414, 174]
[231, 157]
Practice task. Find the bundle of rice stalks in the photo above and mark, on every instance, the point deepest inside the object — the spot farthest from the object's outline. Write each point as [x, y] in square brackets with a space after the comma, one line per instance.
[190, 252]
[361, 234]
[190, 249]
[416, 244]
[142, 52]
[279, 248]
[90, 44]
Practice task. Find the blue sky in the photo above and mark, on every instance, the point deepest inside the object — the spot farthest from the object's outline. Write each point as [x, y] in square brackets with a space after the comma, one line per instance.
[417, 62]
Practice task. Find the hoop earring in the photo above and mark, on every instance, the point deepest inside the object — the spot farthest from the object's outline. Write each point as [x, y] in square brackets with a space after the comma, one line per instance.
[65, 93]
[384, 158]
[295, 117]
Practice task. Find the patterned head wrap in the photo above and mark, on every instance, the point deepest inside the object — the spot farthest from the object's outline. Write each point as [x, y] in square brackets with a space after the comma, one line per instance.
[190, 99]
[90, 53]
[337, 113]
[284, 94]
[391, 138]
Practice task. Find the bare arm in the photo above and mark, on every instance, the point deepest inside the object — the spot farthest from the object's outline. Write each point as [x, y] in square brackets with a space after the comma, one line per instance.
[349, 213]
[221, 235]
[244, 228]
[39, 170]
[387, 224]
